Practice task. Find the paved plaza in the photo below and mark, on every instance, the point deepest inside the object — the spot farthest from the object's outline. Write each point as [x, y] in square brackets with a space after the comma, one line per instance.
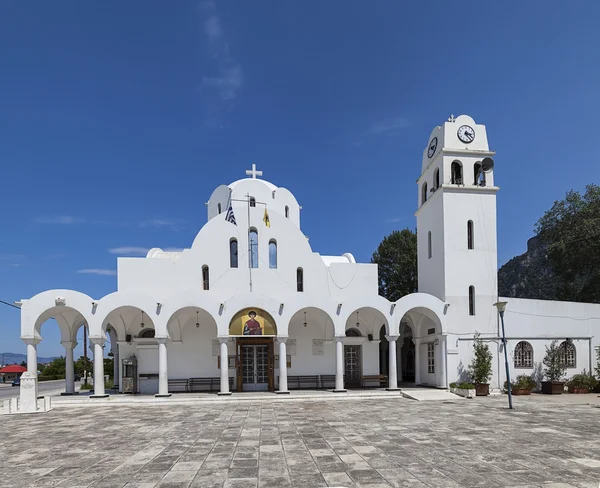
[346, 443]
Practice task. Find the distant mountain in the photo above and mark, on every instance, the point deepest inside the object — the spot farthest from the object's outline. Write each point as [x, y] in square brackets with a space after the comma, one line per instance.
[12, 358]
[529, 275]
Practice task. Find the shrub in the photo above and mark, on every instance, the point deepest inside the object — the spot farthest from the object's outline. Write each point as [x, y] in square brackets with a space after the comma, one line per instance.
[522, 382]
[481, 365]
[555, 366]
[582, 381]
[89, 386]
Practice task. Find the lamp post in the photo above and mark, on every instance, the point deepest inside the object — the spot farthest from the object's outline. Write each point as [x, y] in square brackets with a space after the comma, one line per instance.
[501, 306]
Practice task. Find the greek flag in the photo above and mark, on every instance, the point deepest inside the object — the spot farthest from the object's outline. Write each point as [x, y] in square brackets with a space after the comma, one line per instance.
[229, 217]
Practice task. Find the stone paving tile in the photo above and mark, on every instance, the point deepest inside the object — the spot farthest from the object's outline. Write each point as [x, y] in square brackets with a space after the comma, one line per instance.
[465, 444]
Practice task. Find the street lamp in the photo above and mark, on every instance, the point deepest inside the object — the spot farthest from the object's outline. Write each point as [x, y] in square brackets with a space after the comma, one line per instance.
[501, 306]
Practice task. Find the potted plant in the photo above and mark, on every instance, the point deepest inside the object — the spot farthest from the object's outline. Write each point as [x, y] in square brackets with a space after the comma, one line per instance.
[554, 370]
[581, 383]
[481, 367]
[597, 369]
[522, 385]
[463, 389]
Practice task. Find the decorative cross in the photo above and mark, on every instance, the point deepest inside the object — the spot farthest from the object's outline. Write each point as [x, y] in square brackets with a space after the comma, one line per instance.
[252, 172]
[451, 119]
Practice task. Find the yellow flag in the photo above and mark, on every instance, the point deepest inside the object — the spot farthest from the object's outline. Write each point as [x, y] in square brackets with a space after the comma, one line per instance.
[266, 218]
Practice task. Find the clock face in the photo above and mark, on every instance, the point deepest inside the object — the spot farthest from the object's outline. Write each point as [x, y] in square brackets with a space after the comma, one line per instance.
[432, 147]
[466, 134]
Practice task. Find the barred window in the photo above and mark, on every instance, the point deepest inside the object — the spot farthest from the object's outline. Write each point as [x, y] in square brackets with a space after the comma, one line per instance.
[569, 355]
[523, 355]
[431, 358]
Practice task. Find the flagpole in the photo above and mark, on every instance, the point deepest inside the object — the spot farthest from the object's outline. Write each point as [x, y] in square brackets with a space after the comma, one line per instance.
[249, 243]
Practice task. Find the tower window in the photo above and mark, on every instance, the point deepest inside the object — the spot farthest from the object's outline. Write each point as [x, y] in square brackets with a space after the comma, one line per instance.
[471, 300]
[436, 179]
[456, 173]
[300, 279]
[287, 212]
[479, 175]
[218, 208]
[252, 202]
[253, 251]
[423, 193]
[429, 253]
[233, 253]
[273, 254]
[470, 243]
[205, 277]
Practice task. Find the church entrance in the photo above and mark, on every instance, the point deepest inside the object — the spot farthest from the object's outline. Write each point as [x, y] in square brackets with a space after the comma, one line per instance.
[352, 366]
[254, 364]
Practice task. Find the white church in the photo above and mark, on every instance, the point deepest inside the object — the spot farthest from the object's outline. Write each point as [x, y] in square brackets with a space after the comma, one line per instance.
[251, 306]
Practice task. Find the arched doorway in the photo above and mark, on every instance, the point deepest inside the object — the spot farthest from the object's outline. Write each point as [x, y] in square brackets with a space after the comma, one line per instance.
[407, 354]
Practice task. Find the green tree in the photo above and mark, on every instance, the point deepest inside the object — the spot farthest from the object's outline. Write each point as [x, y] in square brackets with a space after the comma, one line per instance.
[481, 365]
[83, 364]
[109, 366]
[396, 258]
[56, 368]
[554, 361]
[571, 232]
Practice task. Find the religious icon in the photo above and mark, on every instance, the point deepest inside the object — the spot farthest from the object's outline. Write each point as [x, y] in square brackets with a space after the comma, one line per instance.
[252, 326]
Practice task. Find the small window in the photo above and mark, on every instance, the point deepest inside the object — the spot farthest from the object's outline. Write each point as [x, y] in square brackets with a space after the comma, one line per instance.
[205, 277]
[471, 300]
[436, 179]
[523, 355]
[424, 193]
[569, 355]
[429, 245]
[300, 279]
[353, 333]
[456, 173]
[287, 212]
[252, 202]
[233, 253]
[147, 334]
[431, 358]
[470, 244]
[479, 175]
[253, 256]
[273, 254]
[218, 208]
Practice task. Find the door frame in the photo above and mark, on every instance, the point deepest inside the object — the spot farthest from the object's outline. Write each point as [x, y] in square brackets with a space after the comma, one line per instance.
[357, 383]
[254, 341]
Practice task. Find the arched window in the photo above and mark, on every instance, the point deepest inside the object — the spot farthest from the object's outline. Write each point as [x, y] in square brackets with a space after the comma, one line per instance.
[569, 354]
[253, 254]
[273, 254]
[233, 253]
[471, 300]
[353, 333]
[429, 245]
[479, 175]
[523, 355]
[252, 202]
[470, 237]
[205, 277]
[218, 207]
[147, 334]
[287, 212]
[300, 279]
[456, 173]
[423, 193]
[436, 179]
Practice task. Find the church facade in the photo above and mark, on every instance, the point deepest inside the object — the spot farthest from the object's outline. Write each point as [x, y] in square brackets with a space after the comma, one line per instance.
[250, 306]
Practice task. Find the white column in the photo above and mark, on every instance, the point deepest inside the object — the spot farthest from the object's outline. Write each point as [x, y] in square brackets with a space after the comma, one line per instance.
[417, 343]
[339, 365]
[163, 373]
[224, 366]
[399, 344]
[115, 351]
[32, 355]
[98, 367]
[393, 368]
[442, 346]
[283, 383]
[69, 367]
[32, 369]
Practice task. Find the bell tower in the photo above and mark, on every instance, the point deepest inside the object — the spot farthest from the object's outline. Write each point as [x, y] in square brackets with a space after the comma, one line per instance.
[456, 224]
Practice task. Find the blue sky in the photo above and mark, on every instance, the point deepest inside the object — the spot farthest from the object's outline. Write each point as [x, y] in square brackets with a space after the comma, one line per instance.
[118, 119]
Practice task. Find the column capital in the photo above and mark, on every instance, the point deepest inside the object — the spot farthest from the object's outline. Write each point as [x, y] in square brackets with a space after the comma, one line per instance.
[162, 340]
[416, 340]
[31, 341]
[98, 340]
[392, 337]
[223, 339]
[69, 344]
[340, 338]
[282, 338]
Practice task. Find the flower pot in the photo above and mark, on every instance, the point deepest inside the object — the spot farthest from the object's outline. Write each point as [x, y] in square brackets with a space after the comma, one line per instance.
[518, 391]
[467, 393]
[579, 390]
[553, 387]
[482, 389]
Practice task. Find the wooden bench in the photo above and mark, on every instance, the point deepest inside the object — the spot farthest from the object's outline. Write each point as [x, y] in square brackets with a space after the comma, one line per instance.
[300, 382]
[327, 381]
[178, 386]
[207, 384]
[379, 379]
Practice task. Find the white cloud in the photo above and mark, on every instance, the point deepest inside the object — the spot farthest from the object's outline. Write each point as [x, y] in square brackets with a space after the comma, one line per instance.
[173, 224]
[104, 272]
[389, 125]
[58, 219]
[129, 250]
